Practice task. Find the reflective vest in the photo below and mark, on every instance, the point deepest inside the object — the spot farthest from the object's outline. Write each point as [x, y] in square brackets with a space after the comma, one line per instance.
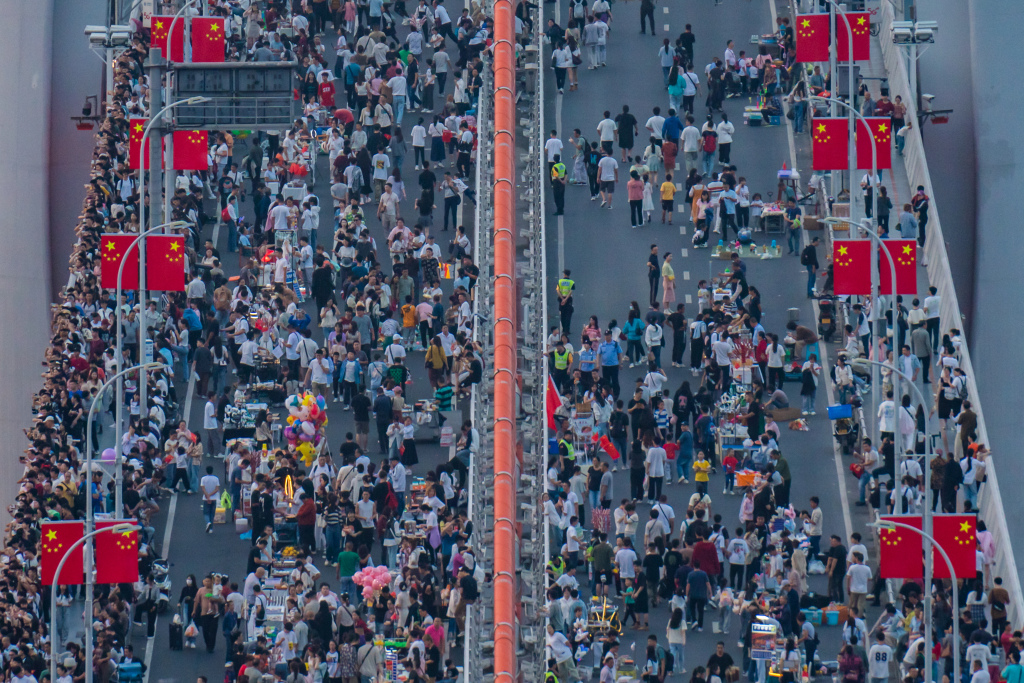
[557, 567]
[570, 452]
[558, 171]
[550, 677]
[561, 360]
[565, 286]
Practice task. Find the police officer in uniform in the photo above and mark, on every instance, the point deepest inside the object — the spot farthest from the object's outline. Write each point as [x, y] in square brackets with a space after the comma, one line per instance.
[558, 174]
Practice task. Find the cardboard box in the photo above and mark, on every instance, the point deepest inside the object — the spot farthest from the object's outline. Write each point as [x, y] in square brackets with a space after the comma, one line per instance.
[812, 223]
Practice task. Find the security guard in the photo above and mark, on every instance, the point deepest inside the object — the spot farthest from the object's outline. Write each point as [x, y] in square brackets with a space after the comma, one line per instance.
[561, 359]
[558, 174]
[567, 453]
[565, 285]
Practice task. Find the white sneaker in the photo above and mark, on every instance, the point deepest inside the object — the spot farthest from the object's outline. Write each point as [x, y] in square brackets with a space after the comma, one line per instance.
[725, 491]
[813, 413]
[804, 413]
[682, 480]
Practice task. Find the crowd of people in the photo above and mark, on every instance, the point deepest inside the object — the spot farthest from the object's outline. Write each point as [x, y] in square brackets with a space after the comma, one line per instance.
[294, 309]
[665, 551]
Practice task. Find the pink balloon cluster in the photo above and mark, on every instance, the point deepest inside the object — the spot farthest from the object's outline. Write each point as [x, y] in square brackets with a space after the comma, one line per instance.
[372, 579]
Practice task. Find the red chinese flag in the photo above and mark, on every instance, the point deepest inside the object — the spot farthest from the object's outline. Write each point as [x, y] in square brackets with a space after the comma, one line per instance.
[137, 128]
[900, 555]
[812, 41]
[112, 251]
[117, 554]
[56, 539]
[904, 257]
[851, 267]
[190, 150]
[957, 534]
[165, 263]
[860, 24]
[159, 26]
[830, 144]
[881, 133]
[553, 401]
[208, 39]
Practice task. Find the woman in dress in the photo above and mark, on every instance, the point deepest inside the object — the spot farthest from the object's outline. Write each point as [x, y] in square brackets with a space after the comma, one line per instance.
[668, 282]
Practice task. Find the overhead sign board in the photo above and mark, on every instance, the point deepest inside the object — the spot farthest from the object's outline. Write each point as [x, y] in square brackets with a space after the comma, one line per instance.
[246, 95]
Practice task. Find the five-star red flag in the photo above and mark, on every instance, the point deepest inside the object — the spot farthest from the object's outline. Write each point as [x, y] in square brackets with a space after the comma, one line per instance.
[208, 39]
[830, 144]
[137, 128]
[159, 26]
[851, 267]
[860, 25]
[165, 263]
[881, 132]
[900, 555]
[112, 251]
[553, 401]
[904, 258]
[957, 534]
[190, 150]
[812, 37]
[117, 554]
[57, 538]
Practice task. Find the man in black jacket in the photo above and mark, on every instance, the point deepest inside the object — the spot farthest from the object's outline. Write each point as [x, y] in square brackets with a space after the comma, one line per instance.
[809, 259]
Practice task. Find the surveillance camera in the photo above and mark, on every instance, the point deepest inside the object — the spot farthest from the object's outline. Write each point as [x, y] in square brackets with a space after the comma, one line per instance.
[927, 97]
[98, 38]
[89, 30]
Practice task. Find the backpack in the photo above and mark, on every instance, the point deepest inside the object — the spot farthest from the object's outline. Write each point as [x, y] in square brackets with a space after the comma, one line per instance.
[805, 258]
[961, 388]
[710, 143]
[579, 9]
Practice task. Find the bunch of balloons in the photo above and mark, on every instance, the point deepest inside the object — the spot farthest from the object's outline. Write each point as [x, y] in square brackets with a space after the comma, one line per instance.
[307, 416]
[372, 579]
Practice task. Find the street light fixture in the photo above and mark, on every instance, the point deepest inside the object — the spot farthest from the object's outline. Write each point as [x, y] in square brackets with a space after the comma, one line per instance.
[107, 43]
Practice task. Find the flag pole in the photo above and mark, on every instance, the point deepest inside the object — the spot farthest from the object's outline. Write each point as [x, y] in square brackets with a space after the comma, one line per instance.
[120, 528]
[834, 13]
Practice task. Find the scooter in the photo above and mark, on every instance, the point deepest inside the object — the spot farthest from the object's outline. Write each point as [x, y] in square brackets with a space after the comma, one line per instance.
[827, 317]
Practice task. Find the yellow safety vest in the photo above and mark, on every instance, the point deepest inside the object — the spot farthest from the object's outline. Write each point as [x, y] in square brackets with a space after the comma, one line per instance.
[558, 171]
[570, 452]
[565, 286]
[562, 360]
[550, 678]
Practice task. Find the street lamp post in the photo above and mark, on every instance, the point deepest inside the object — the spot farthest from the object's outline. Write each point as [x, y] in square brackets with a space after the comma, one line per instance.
[154, 162]
[834, 12]
[927, 516]
[119, 397]
[117, 528]
[185, 45]
[927, 541]
[88, 505]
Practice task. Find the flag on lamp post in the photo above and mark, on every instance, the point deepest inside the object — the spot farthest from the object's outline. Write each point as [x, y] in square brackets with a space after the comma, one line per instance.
[851, 267]
[55, 540]
[191, 148]
[881, 135]
[860, 27]
[812, 37]
[957, 534]
[904, 258]
[117, 554]
[830, 144]
[159, 27]
[165, 263]
[208, 39]
[112, 252]
[900, 554]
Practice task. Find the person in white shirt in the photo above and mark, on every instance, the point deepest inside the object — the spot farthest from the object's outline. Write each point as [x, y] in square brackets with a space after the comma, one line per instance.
[553, 147]
[211, 425]
[625, 560]
[210, 487]
[419, 143]
[691, 143]
[858, 578]
[878, 659]
[606, 132]
[607, 175]
[654, 466]
[655, 124]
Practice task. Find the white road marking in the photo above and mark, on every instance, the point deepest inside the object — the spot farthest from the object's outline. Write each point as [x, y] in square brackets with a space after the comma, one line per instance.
[686, 275]
[165, 546]
[679, 187]
[666, 28]
[684, 252]
[689, 299]
[665, 10]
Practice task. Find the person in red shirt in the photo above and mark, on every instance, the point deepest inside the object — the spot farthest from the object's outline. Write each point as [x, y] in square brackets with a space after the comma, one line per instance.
[705, 555]
[729, 465]
[326, 91]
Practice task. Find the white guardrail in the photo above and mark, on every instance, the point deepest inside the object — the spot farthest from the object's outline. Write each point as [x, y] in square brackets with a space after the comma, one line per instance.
[990, 500]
